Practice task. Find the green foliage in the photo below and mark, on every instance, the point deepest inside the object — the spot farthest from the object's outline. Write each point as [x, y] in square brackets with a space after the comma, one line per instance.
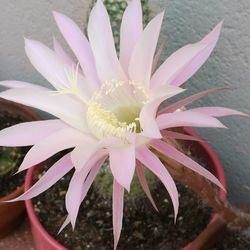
[10, 159]
[104, 183]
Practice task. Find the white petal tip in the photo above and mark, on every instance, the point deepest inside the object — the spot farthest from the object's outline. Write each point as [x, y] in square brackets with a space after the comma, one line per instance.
[30, 42]
[56, 14]
[18, 172]
[222, 187]
[175, 219]
[60, 230]
[73, 224]
[156, 209]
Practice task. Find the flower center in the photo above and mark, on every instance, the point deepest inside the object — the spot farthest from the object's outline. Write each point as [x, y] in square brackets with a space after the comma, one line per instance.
[115, 108]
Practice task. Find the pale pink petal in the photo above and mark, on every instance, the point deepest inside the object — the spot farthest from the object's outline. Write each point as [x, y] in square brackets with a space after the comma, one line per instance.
[92, 174]
[184, 63]
[149, 110]
[118, 202]
[131, 29]
[75, 191]
[176, 155]
[85, 150]
[21, 85]
[80, 46]
[219, 111]
[187, 119]
[62, 54]
[82, 153]
[141, 62]
[102, 43]
[52, 68]
[165, 91]
[29, 133]
[86, 186]
[142, 178]
[179, 136]
[184, 102]
[122, 164]
[54, 143]
[65, 224]
[152, 162]
[54, 174]
[74, 194]
[166, 73]
[157, 57]
[67, 109]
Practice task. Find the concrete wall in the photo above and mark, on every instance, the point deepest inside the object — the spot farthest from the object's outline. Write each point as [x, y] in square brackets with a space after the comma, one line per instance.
[186, 21]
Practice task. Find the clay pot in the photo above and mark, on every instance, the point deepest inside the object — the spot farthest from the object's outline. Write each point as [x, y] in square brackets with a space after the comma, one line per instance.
[12, 214]
[43, 241]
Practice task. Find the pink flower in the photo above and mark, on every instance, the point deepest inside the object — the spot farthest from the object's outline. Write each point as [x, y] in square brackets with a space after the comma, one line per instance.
[108, 107]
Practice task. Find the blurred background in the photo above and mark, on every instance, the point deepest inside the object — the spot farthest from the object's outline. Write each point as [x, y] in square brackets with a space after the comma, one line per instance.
[186, 21]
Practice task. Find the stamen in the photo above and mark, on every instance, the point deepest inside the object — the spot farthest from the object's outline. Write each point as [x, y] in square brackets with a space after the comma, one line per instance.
[104, 123]
[70, 87]
[115, 108]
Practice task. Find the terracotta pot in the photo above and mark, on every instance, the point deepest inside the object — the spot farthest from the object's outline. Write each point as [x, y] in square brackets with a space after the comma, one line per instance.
[43, 241]
[12, 214]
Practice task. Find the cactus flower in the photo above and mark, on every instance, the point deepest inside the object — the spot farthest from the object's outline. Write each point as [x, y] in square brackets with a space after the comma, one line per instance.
[107, 106]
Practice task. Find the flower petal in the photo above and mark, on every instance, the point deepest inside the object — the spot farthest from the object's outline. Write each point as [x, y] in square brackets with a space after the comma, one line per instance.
[131, 29]
[142, 178]
[118, 201]
[184, 63]
[102, 43]
[82, 153]
[141, 62]
[179, 136]
[86, 186]
[75, 191]
[184, 102]
[54, 143]
[21, 85]
[149, 110]
[85, 150]
[54, 174]
[29, 133]
[187, 119]
[51, 103]
[80, 46]
[151, 161]
[122, 164]
[219, 111]
[65, 224]
[52, 68]
[61, 53]
[157, 57]
[176, 155]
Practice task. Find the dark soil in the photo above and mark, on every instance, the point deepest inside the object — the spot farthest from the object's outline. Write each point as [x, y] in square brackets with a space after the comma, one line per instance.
[10, 159]
[233, 240]
[143, 227]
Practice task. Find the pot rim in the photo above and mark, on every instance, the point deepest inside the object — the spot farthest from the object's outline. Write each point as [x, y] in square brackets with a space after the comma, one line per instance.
[217, 170]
